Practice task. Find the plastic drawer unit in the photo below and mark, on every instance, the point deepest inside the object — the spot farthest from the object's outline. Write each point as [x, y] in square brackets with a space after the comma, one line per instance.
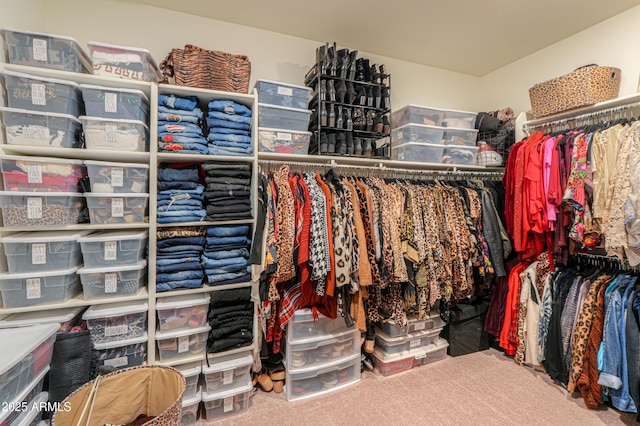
[25, 397]
[227, 372]
[313, 381]
[418, 152]
[109, 102]
[33, 414]
[464, 155]
[283, 94]
[392, 345]
[123, 62]
[38, 288]
[462, 137]
[283, 141]
[223, 404]
[416, 114]
[182, 312]
[437, 351]
[28, 355]
[317, 351]
[29, 92]
[113, 281]
[275, 117]
[29, 209]
[116, 208]
[389, 364]
[43, 251]
[191, 373]
[303, 325]
[65, 317]
[33, 128]
[190, 407]
[114, 134]
[108, 177]
[177, 345]
[113, 248]
[420, 133]
[459, 119]
[116, 321]
[122, 353]
[414, 325]
[44, 51]
[41, 174]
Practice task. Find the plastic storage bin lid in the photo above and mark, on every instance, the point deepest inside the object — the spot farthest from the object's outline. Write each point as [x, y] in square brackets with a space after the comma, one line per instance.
[51, 160]
[459, 129]
[227, 362]
[115, 310]
[181, 333]
[113, 120]
[184, 301]
[25, 319]
[17, 343]
[114, 89]
[35, 77]
[110, 164]
[304, 111]
[280, 83]
[113, 236]
[425, 126]
[192, 401]
[411, 353]
[206, 397]
[431, 145]
[297, 132]
[118, 268]
[44, 114]
[421, 107]
[115, 194]
[43, 237]
[120, 343]
[398, 340]
[144, 52]
[40, 274]
[189, 370]
[27, 418]
[23, 394]
[457, 111]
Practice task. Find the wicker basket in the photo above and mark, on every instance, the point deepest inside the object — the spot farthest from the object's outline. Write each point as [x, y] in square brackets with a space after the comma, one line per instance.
[207, 69]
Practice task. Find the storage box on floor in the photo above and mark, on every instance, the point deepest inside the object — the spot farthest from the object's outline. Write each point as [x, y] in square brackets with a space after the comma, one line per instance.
[465, 331]
[227, 386]
[320, 356]
[283, 116]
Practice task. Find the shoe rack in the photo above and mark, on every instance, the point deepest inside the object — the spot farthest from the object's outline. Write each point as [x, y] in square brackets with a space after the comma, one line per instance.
[351, 104]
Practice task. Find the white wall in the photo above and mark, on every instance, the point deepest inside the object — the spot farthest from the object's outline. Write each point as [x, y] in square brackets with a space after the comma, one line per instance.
[23, 14]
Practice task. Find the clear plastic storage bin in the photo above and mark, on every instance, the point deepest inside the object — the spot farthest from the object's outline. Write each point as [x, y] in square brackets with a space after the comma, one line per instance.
[44, 51]
[465, 155]
[275, 117]
[122, 353]
[389, 364]
[28, 209]
[182, 312]
[123, 62]
[115, 248]
[109, 102]
[113, 281]
[177, 345]
[65, 317]
[27, 394]
[463, 137]
[283, 141]
[437, 351]
[190, 407]
[227, 372]
[223, 404]
[414, 325]
[283, 94]
[392, 345]
[117, 321]
[314, 381]
[29, 92]
[316, 351]
[38, 288]
[43, 251]
[115, 134]
[416, 114]
[418, 152]
[191, 373]
[41, 174]
[34, 413]
[116, 208]
[417, 133]
[303, 325]
[34, 128]
[108, 177]
[459, 119]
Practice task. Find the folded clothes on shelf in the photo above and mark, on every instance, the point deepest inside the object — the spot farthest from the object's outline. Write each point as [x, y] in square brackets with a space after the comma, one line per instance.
[229, 126]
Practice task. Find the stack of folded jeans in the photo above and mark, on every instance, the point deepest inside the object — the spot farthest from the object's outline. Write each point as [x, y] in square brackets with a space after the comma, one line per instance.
[229, 128]
[226, 255]
[231, 320]
[180, 196]
[227, 191]
[180, 125]
[178, 258]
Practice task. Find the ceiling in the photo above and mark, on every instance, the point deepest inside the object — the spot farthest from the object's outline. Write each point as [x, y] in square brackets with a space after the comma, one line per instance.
[473, 37]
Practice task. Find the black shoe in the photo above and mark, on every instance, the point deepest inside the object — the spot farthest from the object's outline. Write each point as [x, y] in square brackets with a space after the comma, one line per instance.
[331, 122]
[361, 97]
[331, 91]
[375, 75]
[367, 71]
[341, 91]
[378, 125]
[352, 64]
[359, 70]
[383, 76]
[333, 60]
[350, 145]
[323, 113]
[386, 127]
[331, 143]
[339, 118]
[369, 97]
[377, 97]
[323, 144]
[341, 144]
[367, 149]
[322, 58]
[357, 146]
[386, 98]
[351, 93]
[347, 120]
[369, 117]
[343, 63]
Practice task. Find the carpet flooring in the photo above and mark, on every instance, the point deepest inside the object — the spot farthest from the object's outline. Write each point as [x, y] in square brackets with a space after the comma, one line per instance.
[483, 388]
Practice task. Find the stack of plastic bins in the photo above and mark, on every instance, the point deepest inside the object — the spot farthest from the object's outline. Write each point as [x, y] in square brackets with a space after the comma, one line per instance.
[224, 388]
[224, 404]
[191, 373]
[321, 356]
[417, 134]
[460, 137]
[190, 409]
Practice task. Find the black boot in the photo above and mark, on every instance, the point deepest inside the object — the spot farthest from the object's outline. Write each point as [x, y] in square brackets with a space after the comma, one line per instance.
[378, 125]
[359, 120]
[377, 97]
[386, 98]
[350, 145]
[331, 122]
[384, 80]
[323, 144]
[361, 97]
[343, 63]
[323, 90]
[339, 118]
[341, 91]
[386, 127]
[331, 91]
[367, 71]
[357, 146]
[347, 120]
[323, 113]
[366, 147]
[369, 117]
[375, 75]
[333, 61]
[369, 97]
[352, 64]
[351, 93]
[341, 144]
[331, 143]
[359, 70]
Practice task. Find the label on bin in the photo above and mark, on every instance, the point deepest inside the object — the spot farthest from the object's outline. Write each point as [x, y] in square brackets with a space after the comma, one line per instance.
[38, 254]
[117, 207]
[419, 326]
[228, 404]
[116, 330]
[38, 95]
[183, 344]
[40, 49]
[284, 136]
[424, 355]
[34, 173]
[117, 177]
[111, 282]
[34, 208]
[121, 361]
[35, 132]
[110, 250]
[111, 132]
[415, 342]
[227, 377]
[285, 91]
[34, 288]
[111, 102]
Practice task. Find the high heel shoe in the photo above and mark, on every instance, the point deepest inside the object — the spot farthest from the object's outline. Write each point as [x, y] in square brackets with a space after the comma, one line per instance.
[347, 120]
[331, 143]
[377, 97]
[386, 98]
[378, 124]
[350, 145]
[331, 91]
[339, 118]
[351, 93]
[331, 122]
[386, 126]
[361, 97]
[369, 97]
[341, 91]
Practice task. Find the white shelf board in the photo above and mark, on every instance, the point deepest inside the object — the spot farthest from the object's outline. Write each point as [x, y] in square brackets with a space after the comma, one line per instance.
[78, 153]
[206, 95]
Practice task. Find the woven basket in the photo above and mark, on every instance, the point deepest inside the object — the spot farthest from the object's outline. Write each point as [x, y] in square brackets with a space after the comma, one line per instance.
[207, 69]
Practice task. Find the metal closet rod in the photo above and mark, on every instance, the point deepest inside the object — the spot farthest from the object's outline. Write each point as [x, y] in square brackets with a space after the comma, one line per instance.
[593, 114]
[601, 258]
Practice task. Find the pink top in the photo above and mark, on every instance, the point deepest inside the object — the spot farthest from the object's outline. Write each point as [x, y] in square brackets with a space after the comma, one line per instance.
[552, 210]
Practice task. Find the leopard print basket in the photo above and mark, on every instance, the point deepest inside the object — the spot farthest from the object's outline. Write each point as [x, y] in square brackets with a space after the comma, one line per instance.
[585, 86]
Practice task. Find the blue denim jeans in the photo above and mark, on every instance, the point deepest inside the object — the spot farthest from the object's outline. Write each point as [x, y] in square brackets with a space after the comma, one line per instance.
[176, 267]
[224, 277]
[226, 270]
[237, 279]
[230, 131]
[187, 103]
[160, 287]
[226, 137]
[215, 123]
[178, 193]
[186, 128]
[227, 254]
[196, 112]
[180, 276]
[215, 241]
[200, 213]
[176, 118]
[229, 118]
[184, 148]
[180, 208]
[180, 248]
[228, 231]
[223, 263]
[171, 174]
[229, 107]
[179, 219]
[224, 150]
[171, 242]
[167, 204]
[163, 185]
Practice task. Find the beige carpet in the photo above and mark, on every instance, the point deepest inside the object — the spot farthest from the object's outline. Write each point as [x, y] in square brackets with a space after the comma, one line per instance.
[485, 388]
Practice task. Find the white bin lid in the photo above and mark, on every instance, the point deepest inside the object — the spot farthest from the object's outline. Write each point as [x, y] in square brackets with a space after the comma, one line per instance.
[190, 369]
[422, 107]
[192, 401]
[17, 343]
[43, 237]
[118, 268]
[35, 77]
[459, 129]
[85, 118]
[111, 164]
[24, 393]
[206, 397]
[302, 111]
[40, 194]
[227, 362]
[411, 353]
[181, 333]
[457, 111]
[431, 145]
[121, 343]
[398, 340]
[47, 114]
[26, 418]
[184, 301]
[40, 274]
[424, 126]
[113, 236]
[25, 319]
[113, 89]
[115, 309]
[280, 83]
[294, 132]
[115, 195]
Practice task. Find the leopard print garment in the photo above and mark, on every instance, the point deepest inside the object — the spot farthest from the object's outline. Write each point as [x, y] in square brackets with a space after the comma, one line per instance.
[285, 269]
[396, 220]
[341, 244]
